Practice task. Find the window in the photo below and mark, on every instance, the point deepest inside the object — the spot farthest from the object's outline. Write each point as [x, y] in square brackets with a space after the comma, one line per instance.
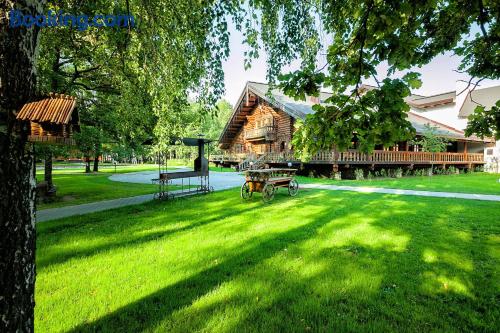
[489, 151]
[282, 146]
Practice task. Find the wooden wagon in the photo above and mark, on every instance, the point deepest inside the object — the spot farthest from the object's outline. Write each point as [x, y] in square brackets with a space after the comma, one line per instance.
[267, 181]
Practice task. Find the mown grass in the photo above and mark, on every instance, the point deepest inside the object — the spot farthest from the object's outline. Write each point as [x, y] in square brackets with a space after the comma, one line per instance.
[322, 261]
[483, 183]
[109, 169]
[221, 169]
[75, 189]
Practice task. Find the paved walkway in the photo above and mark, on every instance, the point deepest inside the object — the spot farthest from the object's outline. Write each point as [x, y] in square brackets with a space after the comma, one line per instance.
[219, 180]
[59, 213]
[467, 196]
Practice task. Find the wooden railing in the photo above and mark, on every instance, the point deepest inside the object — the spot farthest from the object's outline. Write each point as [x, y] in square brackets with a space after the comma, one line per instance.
[266, 132]
[393, 157]
[52, 140]
[356, 157]
[237, 157]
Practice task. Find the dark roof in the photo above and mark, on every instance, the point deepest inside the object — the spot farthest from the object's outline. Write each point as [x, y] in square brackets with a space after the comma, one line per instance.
[193, 142]
[418, 122]
[254, 91]
[57, 109]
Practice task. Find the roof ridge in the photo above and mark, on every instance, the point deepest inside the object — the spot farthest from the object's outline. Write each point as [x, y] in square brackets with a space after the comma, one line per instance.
[444, 93]
[267, 84]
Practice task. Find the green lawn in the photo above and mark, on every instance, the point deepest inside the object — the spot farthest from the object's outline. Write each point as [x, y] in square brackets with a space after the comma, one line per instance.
[221, 169]
[322, 261]
[75, 189]
[485, 183]
[107, 169]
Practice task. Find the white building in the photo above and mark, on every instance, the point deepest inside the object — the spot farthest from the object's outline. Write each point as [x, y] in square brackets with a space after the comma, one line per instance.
[452, 109]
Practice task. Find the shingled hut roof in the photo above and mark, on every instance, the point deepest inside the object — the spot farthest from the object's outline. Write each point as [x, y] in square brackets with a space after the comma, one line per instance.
[56, 109]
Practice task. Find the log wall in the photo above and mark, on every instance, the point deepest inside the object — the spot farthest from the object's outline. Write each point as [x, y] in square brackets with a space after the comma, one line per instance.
[264, 115]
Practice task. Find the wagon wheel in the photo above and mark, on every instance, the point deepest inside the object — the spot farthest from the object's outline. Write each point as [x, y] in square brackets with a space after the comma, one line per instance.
[293, 188]
[268, 192]
[245, 191]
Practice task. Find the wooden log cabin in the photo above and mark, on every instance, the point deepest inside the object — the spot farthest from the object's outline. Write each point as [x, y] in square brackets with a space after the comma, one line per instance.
[52, 120]
[260, 130]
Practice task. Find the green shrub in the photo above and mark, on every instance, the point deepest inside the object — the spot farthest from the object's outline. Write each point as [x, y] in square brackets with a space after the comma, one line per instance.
[383, 173]
[418, 172]
[398, 173]
[369, 176]
[359, 174]
[439, 171]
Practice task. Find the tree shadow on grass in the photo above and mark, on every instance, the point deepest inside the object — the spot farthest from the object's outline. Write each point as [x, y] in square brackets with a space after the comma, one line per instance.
[363, 285]
[131, 226]
[148, 311]
[396, 288]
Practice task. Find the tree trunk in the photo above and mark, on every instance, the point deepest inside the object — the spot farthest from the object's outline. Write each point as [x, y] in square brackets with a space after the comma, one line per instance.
[48, 171]
[87, 164]
[96, 163]
[17, 170]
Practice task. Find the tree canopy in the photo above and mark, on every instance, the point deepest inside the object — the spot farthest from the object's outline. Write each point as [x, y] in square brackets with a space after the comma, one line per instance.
[357, 36]
[175, 53]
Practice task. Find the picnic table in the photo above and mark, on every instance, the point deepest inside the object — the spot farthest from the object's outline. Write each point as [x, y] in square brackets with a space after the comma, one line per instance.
[267, 181]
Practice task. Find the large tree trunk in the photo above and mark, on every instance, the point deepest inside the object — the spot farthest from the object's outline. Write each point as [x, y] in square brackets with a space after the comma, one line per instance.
[48, 171]
[17, 178]
[87, 164]
[96, 163]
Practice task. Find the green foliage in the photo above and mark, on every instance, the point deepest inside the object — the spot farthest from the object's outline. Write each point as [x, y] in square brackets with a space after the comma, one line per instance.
[360, 36]
[359, 174]
[430, 141]
[376, 118]
[485, 123]
[89, 141]
[398, 173]
[177, 51]
[43, 151]
[383, 173]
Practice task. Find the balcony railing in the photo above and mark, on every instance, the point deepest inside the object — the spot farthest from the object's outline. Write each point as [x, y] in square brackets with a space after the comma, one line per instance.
[356, 157]
[382, 157]
[267, 133]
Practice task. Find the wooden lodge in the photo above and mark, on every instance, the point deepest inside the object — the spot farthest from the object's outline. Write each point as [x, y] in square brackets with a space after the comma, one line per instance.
[260, 130]
[52, 120]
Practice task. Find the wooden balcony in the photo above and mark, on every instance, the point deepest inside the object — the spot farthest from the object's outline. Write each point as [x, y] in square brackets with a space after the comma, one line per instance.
[266, 133]
[356, 157]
